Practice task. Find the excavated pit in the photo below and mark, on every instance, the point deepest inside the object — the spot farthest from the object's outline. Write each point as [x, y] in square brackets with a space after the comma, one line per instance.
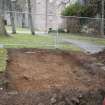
[43, 77]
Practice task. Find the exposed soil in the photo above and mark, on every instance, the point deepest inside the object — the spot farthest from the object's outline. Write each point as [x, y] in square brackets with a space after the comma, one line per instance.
[31, 70]
[101, 56]
[53, 97]
[44, 77]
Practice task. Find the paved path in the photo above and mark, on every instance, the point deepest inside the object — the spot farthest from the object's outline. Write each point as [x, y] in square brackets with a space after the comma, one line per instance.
[85, 46]
[1, 46]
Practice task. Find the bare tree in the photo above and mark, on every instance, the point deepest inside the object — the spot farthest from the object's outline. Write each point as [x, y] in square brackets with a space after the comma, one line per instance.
[21, 6]
[12, 17]
[2, 25]
[23, 20]
[30, 17]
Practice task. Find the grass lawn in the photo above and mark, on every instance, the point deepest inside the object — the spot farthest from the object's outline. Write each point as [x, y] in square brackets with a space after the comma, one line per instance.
[99, 41]
[9, 29]
[3, 57]
[30, 41]
[25, 41]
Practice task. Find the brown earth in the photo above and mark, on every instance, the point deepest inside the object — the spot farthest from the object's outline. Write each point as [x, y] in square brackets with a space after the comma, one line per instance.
[53, 97]
[31, 70]
[101, 56]
[44, 77]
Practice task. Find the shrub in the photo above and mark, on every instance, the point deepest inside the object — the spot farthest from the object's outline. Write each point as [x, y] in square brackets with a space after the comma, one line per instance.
[77, 10]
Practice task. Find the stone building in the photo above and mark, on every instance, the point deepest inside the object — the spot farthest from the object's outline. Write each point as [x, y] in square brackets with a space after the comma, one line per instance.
[44, 14]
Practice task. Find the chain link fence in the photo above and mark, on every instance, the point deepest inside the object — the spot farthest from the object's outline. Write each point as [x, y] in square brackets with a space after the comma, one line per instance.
[81, 25]
[53, 26]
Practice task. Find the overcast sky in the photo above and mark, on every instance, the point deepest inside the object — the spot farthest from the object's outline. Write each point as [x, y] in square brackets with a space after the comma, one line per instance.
[58, 1]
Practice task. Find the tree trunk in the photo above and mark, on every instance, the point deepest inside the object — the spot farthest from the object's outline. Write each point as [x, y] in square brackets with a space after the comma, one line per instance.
[23, 20]
[2, 27]
[30, 17]
[12, 18]
[12, 23]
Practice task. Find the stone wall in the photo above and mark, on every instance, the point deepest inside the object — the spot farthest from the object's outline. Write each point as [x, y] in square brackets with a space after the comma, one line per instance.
[44, 15]
[71, 24]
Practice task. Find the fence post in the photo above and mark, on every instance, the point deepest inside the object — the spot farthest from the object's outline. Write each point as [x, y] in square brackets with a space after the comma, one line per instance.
[102, 21]
[57, 34]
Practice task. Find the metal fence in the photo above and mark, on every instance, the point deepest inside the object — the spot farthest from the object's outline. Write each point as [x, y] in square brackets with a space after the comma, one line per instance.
[53, 22]
[54, 26]
[82, 25]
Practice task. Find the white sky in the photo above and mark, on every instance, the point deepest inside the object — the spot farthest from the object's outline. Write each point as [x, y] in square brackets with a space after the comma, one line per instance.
[50, 0]
[58, 1]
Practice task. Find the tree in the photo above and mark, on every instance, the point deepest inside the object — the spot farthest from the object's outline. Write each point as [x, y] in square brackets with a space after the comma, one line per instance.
[12, 18]
[2, 25]
[98, 7]
[21, 6]
[23, 20]
[94, 6]
[89, 9]
[75, 10]
[30, 17]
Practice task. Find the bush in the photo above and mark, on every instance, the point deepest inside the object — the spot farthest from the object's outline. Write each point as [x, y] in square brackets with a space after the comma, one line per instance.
[73, 10]
[77, 10]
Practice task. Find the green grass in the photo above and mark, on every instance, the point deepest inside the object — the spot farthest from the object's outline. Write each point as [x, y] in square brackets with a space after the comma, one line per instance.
[99, 41]
[3, 57]
[20, 41]
[9, 29]
[30, 41]
[69, 47]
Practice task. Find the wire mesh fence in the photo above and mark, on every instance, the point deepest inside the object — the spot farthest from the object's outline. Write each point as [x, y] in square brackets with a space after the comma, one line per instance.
[22, 26]
[87, 26]
[51, 23]
[50, 29]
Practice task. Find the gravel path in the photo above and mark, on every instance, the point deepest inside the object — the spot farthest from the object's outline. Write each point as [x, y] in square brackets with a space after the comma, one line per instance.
[85, 46]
